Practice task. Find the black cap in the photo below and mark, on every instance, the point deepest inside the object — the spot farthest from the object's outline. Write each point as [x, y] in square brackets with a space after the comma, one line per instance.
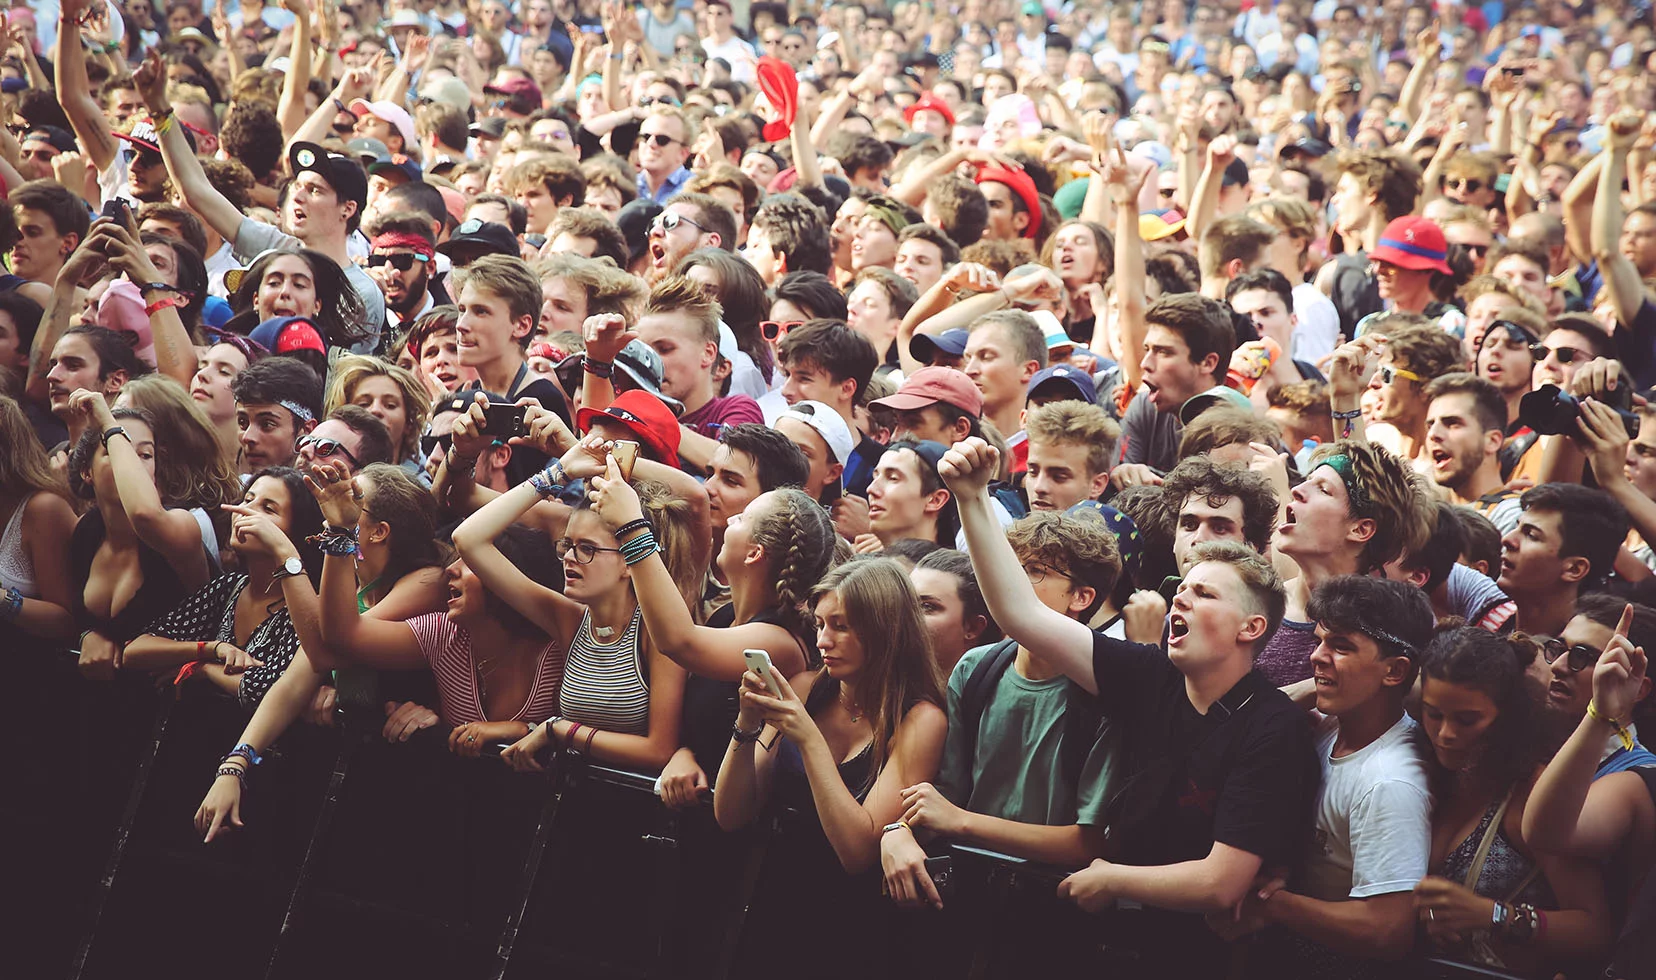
[61, 139]
[494, 127]
[342, 173]
[475, 239]
[634, 220]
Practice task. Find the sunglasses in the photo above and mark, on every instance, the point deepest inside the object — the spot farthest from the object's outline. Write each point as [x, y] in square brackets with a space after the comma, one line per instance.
[775, 330]
[325, 448]
[1470, 186]
[670, 220]
[344, 129]
[645, 101]
[659, 139]
[428, 444]
[1479, 250]
[1565, 355]
[1581, 655]
[143, 158]
[1389, 374]
[402, 262]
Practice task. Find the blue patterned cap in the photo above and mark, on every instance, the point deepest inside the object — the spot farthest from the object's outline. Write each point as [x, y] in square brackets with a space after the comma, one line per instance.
[1128, 539]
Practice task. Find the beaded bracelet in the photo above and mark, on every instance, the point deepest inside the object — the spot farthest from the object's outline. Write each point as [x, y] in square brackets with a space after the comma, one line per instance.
[639, 548]
[236, 771]
[631, 526]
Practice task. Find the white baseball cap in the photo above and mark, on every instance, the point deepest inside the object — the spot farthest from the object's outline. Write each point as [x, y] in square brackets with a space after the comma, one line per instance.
[828, 425]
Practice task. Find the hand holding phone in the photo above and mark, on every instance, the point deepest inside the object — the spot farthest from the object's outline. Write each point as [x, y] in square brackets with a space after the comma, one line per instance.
[625, 453]
[759, 662]
[503, 421]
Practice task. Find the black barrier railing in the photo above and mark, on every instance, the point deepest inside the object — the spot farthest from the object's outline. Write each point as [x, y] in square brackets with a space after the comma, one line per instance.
[363, 858]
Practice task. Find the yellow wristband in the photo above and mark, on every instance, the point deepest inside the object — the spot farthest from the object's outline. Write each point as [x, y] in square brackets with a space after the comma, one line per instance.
[1594, 713]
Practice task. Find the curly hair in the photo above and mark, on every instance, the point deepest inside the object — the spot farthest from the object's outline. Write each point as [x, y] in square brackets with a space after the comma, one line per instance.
[608, 289]
[1217, 428]
[1388, 176]
[1422, 347]
[1496, 666]
[1391, 495]
[252, 135]
[1219, 483]
[231, 178]
[799, 535]
[1081, 549]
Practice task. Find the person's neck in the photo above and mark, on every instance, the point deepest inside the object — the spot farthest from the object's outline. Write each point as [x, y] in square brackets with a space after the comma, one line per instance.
[1214, 682]
[77, 425]
[721, 36]
[698, 397]
[925, 529]
[1514, 399]
[1413, 302]
[1547, 612]
[1411, 438]
[654, 178]
[614, 610]
[1213, 287]
[1486, 479]
[497, 375]
[118, 530]
[1314, 571]
[1005, 417]
[1369, 235]
[1030, 668]
[411, 305]
[371, 565]
[748, 598]
[1363, 723]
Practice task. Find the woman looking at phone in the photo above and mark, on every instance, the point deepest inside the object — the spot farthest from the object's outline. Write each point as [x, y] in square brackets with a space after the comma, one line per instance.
[850, 734]
[774, 552]
[621, 697]
[399, 576]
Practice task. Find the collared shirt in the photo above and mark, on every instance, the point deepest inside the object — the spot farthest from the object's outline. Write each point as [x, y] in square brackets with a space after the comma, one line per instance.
[394, 322]
[672, 185]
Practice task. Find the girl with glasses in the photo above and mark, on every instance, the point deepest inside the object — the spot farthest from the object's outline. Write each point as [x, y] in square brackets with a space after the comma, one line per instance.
[397, 576]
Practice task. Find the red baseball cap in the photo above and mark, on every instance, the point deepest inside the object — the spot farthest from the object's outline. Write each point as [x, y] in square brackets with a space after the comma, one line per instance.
[932, 103]
[283, 335]
[1023, 186]
[1414, 243]
[931, 385]
[647, 417]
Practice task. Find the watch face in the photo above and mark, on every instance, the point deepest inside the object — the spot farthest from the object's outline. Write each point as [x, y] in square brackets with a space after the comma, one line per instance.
[294, 566]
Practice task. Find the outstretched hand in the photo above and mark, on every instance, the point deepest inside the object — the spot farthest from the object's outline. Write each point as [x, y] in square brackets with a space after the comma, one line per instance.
[1620, 677]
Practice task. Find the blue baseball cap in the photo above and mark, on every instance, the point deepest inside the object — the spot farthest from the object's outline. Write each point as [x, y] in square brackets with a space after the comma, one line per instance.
[926, 346]
[1071, 381]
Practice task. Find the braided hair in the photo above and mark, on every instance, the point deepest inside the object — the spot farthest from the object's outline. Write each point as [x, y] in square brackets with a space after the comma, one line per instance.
[797, 532]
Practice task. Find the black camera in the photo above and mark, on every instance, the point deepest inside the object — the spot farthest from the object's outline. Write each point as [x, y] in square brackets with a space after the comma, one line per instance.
[1552, 411]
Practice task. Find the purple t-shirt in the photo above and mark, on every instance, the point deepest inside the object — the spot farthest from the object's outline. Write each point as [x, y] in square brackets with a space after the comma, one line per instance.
[720, 412]
[1287, 658]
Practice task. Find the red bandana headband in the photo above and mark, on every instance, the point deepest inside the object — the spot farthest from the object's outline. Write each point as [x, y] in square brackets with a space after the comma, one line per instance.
[403, 239]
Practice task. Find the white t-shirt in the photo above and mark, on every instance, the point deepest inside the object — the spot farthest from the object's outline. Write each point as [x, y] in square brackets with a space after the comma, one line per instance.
[739, 53]
[1374, 818]
[1319, 324]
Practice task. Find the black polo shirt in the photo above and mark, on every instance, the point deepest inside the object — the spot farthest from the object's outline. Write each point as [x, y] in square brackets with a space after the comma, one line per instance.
[1245, 774]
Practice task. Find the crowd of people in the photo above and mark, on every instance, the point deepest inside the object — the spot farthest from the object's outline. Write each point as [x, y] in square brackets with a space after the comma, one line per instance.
[1204, 449]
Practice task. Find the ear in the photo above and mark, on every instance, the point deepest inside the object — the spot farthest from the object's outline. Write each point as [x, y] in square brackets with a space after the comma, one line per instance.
[963, 428]
[781, 260]
[566, 201]
[1575, 570]
[350, 210]
[1362, 530]
[713, 239]
[836, 471]
[1233, 268]
[755, 554]
[524, 326]
[308, 427]
[710, 355]
[1081, 598]
[379, 532]
[73, 240]
[1209, 364]
[1099, 484]
[1253, 628]
[115, 382]
[1400, 672]
[1481, 567]
[1020, 222]
[848, 388]
[974, 627]
[936, 501]
[1644, 690]
[1415, 576]
[1030, 369]
[1493, 440]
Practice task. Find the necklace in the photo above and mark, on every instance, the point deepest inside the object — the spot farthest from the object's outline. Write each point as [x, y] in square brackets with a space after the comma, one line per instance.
[850, 709]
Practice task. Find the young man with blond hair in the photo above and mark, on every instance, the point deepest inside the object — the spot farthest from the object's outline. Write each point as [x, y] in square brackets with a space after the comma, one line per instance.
[1071, 447]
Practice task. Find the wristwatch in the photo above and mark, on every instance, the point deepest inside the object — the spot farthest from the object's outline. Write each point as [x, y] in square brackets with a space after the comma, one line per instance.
[293, 566]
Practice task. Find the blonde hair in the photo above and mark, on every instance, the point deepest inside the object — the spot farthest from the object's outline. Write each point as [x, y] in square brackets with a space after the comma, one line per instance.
[683, 295]
[671, 519]
[608, 289]
[1076, 423]
[190, 467]
[350, 370]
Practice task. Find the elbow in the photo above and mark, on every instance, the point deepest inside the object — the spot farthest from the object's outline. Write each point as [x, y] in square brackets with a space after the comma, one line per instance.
[149, 523]
[1224, 895]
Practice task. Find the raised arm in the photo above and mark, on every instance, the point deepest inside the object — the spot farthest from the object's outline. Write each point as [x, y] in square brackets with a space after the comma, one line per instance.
[1124, 187]
[1428, 49]
[74, 92]
[355, 83]
[1621, 277]
[54, 321]
[806, 165]
[290, 105]
[978, 280]
[1578, 209]
[183, 168]
[1056, 640]
[175, 355]
[1204, 204]
[704, 650]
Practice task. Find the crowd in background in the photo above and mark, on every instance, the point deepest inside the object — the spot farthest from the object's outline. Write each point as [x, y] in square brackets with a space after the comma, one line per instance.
[1201, 448]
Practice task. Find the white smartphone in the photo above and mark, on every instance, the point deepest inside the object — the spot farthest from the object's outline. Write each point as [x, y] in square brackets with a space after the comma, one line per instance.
[759, 662]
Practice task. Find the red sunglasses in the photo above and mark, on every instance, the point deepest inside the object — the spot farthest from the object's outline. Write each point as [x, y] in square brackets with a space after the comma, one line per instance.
[775, 330]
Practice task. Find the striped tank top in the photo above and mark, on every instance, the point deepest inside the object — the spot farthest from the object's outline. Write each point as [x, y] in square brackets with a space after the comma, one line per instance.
[604, 684]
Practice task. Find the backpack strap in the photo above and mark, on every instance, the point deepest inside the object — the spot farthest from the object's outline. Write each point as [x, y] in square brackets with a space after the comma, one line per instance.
[974, 697]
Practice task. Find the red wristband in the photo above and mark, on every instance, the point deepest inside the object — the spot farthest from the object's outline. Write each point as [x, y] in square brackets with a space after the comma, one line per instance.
[163, 303]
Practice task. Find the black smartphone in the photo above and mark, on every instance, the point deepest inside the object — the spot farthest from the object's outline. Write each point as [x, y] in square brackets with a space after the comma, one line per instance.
[119, 210]
[503, 421]
[1511, 70]
[940, 870]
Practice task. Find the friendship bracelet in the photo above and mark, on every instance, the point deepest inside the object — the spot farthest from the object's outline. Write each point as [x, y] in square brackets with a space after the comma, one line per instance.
[243, 751]
[165, 303]
[631, 526]
[236, 771]
[592, 733]
[164, 123]
[1355, 413]
[1621, 731]
[13, 606]
[740, 737]
[639, 548]
[596, 368]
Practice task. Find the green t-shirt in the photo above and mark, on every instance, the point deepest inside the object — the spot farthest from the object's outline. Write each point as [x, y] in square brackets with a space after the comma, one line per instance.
[1016, 769]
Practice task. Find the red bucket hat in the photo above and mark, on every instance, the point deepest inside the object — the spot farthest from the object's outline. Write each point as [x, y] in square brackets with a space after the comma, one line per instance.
[932, 103]
[647, 417]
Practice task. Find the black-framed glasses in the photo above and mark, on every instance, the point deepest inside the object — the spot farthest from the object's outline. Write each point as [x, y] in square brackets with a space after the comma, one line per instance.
[1467, 184]
[583, 551]
[660, 139]
[1565, 355]
[144, 158]
[323, 448]
[1581, 655]
[429, 443]
[670, 220]
[1478, 250]
[1038, 572]
[775, 330]
[402, 262]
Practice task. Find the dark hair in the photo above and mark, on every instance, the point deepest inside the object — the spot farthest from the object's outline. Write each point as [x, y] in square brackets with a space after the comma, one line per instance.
[67, 211]
[342, 321]
[833, 347]
[530, 551]
[961, 209]
[796, 228]
[398, 500]
[1203, 324]
[277, 379]
[959, 564]
[304, 513]
[776, 460]
[1487, 403]
[948, 519]
[517, 216]
[252, 135]
[1376, 606]
[1606, 610]
[25, 314]
[712, 215]
[741, 296]
[114, 350]
[1267, 279]
[191, 273]
[188, 224]
[930, 233]
[857, 152]
[417, 195]
[910, 550]
[1219, 483]
[607, 240]
[1495, 665]
[376, 439]
[1171, 271]
[812, 292]
[1592, 524]
[1483, 539]
[1441, 550]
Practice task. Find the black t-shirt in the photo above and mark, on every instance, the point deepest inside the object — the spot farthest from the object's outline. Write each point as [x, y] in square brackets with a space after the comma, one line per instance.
[526, 460]
[1245, 774]
[1354, 291]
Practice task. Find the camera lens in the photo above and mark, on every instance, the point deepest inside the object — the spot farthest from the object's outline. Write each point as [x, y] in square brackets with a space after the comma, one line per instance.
[1549, 411]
